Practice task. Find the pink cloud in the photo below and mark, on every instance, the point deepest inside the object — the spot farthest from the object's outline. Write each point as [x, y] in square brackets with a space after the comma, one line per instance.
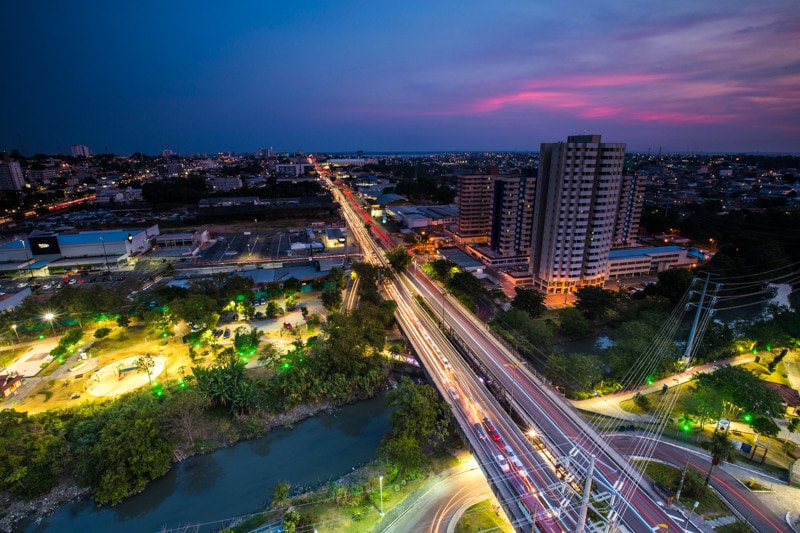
[679, 117]
[637, 97]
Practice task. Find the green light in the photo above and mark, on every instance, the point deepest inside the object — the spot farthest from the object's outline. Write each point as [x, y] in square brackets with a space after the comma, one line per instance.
[197, 345]
[747, 417]
[41, 336]
[650, 380]
[755, 349]
[61, 360]
[240, 297]
[182, 384]
[769, 347]
[164, 335]
[686, 427]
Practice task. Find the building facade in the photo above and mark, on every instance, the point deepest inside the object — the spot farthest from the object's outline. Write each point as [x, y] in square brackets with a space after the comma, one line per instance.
[512, 215]
[80, 150]
[575, 213]
[629, 214]
[11, 177]
[474, 200]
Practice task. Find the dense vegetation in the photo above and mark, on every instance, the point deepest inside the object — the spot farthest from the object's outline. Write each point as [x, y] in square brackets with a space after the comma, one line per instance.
[117, 447]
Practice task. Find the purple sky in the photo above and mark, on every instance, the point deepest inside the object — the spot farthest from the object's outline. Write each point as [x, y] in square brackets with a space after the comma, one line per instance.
[414, 75]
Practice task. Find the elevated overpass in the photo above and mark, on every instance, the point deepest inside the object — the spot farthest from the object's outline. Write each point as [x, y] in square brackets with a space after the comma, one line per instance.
[539, 475]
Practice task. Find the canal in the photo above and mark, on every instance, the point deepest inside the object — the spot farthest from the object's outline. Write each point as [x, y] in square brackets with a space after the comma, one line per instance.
[209, 489]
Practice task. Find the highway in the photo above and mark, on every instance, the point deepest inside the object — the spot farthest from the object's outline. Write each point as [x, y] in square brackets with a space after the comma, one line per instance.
[531, 491]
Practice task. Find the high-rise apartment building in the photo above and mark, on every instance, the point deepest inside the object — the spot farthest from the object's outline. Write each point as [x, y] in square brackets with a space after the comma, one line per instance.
[475, 206]
[575, 212]
[11, 177]
[512, 215]
[80, 150]
[629, 213]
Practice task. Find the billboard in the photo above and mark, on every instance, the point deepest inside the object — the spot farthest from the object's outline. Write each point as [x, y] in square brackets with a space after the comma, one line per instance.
[44, 245]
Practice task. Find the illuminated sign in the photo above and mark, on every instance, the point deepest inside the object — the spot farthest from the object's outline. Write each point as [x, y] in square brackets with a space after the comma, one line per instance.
[44, 245]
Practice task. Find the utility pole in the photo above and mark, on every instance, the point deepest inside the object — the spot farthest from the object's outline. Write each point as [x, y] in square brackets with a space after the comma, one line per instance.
[680, 485]
[687, 355]
[587, 489]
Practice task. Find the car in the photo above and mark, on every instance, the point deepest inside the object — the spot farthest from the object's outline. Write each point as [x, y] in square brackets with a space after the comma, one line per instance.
[502, 463]
[453, 393]
[47, 287]
[262, 301]
[227, 333]
[73, 281]
[259, 314]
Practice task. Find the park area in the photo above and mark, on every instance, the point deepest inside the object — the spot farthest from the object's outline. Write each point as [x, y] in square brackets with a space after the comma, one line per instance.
[131, 358]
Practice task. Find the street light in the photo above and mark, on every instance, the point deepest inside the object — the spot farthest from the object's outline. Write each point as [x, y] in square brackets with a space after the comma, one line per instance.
[380, 479]
[105, 257]
[14, 327]
[28, 260]
[49, 317]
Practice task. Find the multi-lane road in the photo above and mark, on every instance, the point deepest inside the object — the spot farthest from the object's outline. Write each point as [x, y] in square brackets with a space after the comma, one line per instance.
[535, 485]
[531, 492]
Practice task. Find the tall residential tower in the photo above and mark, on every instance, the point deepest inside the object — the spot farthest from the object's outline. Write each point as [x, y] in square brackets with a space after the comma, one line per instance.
[575, 212]
[475, 206]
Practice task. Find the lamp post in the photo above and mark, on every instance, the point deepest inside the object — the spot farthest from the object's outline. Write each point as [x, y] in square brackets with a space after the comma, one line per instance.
[14, 327]
[689, 516]
[49, 317]
[28, 260]
[380, 479]
[105, 257]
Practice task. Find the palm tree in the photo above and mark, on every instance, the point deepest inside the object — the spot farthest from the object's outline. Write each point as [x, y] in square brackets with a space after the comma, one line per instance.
[721, 449]
[280, 495]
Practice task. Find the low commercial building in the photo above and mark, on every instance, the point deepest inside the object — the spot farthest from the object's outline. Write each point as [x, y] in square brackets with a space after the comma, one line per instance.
[53, 253]
[648, 261]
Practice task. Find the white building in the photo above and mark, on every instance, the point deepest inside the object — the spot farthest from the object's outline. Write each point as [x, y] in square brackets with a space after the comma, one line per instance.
[577, 197]
[80, 150]
[11, 177]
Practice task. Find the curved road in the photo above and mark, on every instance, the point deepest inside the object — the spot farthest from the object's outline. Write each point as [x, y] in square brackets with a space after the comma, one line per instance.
[763, 519]
[440, 504]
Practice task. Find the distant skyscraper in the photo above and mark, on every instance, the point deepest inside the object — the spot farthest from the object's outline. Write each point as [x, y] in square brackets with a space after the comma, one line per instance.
[629, 213]
[512, 215]
[80, 150]
[11, 177]
[575, 212]
[475, 206]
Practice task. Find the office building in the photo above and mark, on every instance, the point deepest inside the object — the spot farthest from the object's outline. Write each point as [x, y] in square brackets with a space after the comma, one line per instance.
[575, 213]
[474, 202]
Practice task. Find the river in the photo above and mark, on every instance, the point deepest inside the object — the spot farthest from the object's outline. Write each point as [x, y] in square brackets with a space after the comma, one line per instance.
[235, 481]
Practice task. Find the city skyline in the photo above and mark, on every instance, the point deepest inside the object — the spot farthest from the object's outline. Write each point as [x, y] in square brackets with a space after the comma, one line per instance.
[410, 77]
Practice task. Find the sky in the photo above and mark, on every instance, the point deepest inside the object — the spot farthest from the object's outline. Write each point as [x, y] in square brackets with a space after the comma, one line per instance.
[387, 76]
